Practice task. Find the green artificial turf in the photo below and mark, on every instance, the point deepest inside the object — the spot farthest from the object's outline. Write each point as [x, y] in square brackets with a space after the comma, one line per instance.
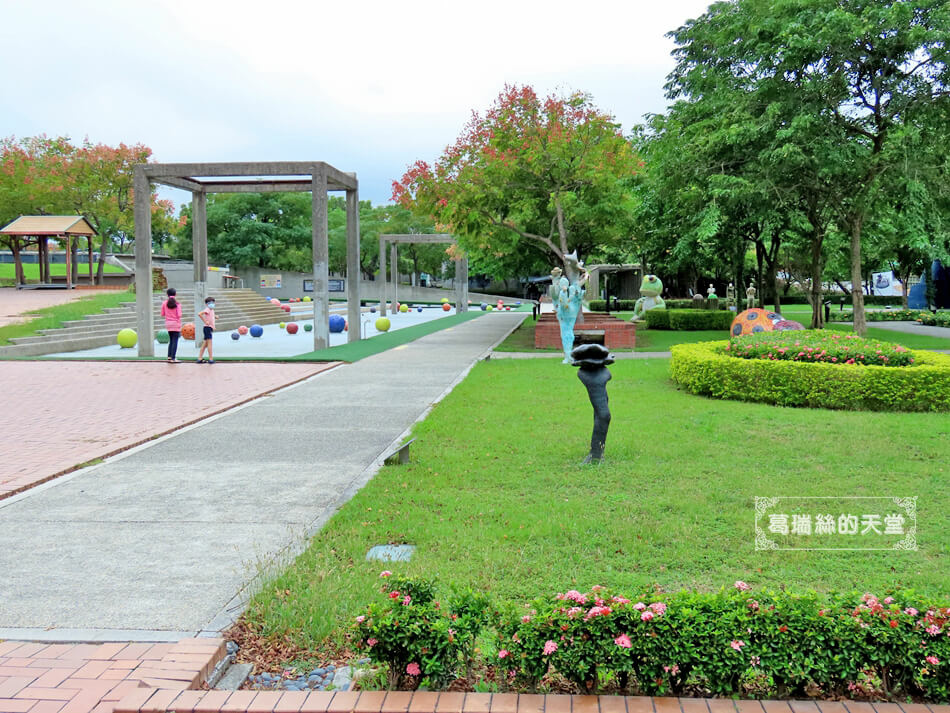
[31, 271]
[53, 317]
[495, 497]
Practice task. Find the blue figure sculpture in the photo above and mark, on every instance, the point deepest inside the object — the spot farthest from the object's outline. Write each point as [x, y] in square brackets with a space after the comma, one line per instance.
[567, 296]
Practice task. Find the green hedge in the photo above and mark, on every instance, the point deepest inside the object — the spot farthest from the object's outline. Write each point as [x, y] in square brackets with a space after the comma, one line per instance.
[601, 305]
[704, 370]
[689, 319]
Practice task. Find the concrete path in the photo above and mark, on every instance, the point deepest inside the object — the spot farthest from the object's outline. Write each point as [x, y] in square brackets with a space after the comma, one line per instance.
[158, 542]
[559, 355]
[913, 328]
[14, 303]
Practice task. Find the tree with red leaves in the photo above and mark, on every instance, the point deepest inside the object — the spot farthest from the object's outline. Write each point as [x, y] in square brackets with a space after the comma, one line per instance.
[542, 176]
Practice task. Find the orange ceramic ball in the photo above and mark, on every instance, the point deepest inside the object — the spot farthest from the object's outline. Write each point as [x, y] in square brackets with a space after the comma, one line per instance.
[188, 330]
[754, 320]
[446, 307]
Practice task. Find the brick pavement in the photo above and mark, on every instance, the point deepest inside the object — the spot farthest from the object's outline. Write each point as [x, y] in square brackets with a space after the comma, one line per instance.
[58, 415]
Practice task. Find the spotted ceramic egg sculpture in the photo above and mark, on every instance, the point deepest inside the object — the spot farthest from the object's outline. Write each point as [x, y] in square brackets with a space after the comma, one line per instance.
[754, 320]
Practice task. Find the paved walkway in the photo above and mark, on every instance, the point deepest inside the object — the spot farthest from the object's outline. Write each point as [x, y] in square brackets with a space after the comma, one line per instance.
[159, 542]
[14, 303]
[560, 355]
[58, 415]
[913, 328]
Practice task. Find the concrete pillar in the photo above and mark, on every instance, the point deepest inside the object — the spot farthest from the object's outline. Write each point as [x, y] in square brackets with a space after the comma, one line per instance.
[593, 284]
[394, 276]
[199, 252]
[321, 274]
[353, 265]
[461, 285]
[382, 277]
[144, 318]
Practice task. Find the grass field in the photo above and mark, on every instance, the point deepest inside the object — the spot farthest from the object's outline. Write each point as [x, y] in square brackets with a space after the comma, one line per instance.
[53, 317]
[32, 271]
[495, 496]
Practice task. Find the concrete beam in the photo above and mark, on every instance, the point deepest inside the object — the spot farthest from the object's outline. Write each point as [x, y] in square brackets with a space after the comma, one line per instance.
[353, 265]
[335, 179]
[393, 274]
[382, 277]
[412, 238]
[321, 274]
[295, 185]
[142, 212]
[186, 184]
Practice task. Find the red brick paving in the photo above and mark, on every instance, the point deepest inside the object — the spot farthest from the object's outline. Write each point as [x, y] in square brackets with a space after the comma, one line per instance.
[62, 414]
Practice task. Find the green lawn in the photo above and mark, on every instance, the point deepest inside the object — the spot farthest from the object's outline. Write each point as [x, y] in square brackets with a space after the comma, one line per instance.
[32, 271]
[53, 317]
[495, 496]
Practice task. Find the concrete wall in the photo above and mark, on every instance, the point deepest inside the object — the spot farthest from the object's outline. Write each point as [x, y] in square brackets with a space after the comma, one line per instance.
[181, 275]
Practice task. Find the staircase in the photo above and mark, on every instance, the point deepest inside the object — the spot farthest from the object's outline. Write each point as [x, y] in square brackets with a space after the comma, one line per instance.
[233, 307]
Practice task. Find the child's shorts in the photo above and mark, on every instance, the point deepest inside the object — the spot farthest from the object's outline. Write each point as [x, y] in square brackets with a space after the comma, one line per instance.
[208, 332]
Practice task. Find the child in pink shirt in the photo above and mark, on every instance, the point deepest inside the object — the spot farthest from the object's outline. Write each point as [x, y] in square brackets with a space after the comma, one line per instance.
[207, 316]
[171, 311]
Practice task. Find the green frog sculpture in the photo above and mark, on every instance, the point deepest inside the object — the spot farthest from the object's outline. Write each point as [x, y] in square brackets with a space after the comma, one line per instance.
[650, 290]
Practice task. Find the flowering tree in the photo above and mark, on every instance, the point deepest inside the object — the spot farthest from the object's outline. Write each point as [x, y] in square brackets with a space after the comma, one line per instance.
[544, 174]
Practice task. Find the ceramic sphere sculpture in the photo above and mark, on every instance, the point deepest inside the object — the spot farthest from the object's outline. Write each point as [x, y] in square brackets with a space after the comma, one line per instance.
[235, 336]
[308, 327]
[418, 309]
[307, 299]
[256, 330]
[445, 307]
[382, 324]
[754, 320]
[337, 323]
[292, 328]
[161, 336]
[242, 330]
[127, 338]
[444, 300]
[403, 308]
[275, 302]
[282, 325]
[286, 308]
[483, 306]
[188, 330]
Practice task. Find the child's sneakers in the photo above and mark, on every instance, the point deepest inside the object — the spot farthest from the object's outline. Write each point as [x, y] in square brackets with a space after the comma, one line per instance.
[200, 361]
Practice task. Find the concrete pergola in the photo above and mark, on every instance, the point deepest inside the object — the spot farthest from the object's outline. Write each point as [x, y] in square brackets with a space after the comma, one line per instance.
[204, 178]
[461, 272]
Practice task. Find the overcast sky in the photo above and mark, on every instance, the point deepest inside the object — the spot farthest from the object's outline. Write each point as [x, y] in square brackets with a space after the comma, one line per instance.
[366, 86]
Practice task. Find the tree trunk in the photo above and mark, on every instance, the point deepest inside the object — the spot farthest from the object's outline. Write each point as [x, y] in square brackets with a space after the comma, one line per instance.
[100, 268]
[817, 308]
[760, 294]
[17, 264]
[73, 262]
[857, 294]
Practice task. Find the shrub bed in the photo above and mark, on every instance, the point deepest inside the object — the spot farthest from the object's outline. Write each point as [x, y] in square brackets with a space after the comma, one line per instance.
[884, 315]
[706, 369]
[601, 305]
[940, 319]
[815, 346]
[689, 319]
[728, 643]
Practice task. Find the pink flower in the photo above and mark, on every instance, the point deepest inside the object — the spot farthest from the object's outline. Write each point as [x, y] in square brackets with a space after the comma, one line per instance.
[504, 653]
[737, 645]
[754, 660]
[413, 669]
[394, 594]
[754, 605]
[385, 573]
[659, 608]
[371, 642]
[575, 596]
[574, 611]
[639, 606]
[406, 600]
[646, 616]
[674, 669]
[933, 629]
[619, 600]
[360, 619]
[596, 588]
[933, 660]
[623, 641]
[910, 611]
[549, 647]
[597, 611]
[525, 619]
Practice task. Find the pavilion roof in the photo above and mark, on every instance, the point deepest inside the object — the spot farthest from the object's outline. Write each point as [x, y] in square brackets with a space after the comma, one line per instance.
[49, 225]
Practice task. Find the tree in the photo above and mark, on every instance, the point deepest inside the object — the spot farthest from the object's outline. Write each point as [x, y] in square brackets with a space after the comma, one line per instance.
[862, 72]
[546, 176]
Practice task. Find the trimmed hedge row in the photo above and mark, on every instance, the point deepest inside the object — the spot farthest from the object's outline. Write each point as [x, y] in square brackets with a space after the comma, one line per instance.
[704, 369]
[601, 305]
[689, 319]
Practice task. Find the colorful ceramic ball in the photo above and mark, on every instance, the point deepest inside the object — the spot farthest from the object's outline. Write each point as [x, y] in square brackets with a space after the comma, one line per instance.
[444, 300]
[275, 302]
[754, 320]
[337, 323]
[242, 329]
[256, 330]
[372, 310]
[308, 299]
[188, 330]
[235, 336]
[403, 308]
[267, 298]
[382, 324]
[161, 336]
[286, 308]
[346, 326]
[483, 306]
[282, 325]
[445, 307]
[292, 328]
[418, 309]
[490, 308]
[127, 338]
[788, 325]
[308, 327]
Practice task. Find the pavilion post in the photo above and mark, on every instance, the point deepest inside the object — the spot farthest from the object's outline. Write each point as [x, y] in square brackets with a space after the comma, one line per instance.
[321, 257]
[143, 262]
[394, 276]
[69, 262]
[90, 259]
[353, 265]
[382, 276]
[199, 252]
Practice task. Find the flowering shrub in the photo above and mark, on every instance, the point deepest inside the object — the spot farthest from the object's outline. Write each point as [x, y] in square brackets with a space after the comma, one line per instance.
[880, 315]
[818, 346]
[707, 369]
[940, 319]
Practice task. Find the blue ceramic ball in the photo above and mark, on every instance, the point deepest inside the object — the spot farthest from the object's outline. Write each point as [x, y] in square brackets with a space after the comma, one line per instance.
[372, 310]
[337, 323]
[484, 306]
[256, 330]
[235, 336]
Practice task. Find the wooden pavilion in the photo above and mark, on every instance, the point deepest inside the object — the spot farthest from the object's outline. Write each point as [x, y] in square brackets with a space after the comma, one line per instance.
[44, 227]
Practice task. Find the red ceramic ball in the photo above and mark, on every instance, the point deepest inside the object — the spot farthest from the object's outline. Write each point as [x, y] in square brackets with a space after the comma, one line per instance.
[446, 307]
[242, 329]
[292, 328]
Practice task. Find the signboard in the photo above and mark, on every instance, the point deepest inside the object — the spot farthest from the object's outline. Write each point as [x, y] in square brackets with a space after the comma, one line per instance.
[270, 281]
[886, 283]
[336, 285]
[308, 285]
